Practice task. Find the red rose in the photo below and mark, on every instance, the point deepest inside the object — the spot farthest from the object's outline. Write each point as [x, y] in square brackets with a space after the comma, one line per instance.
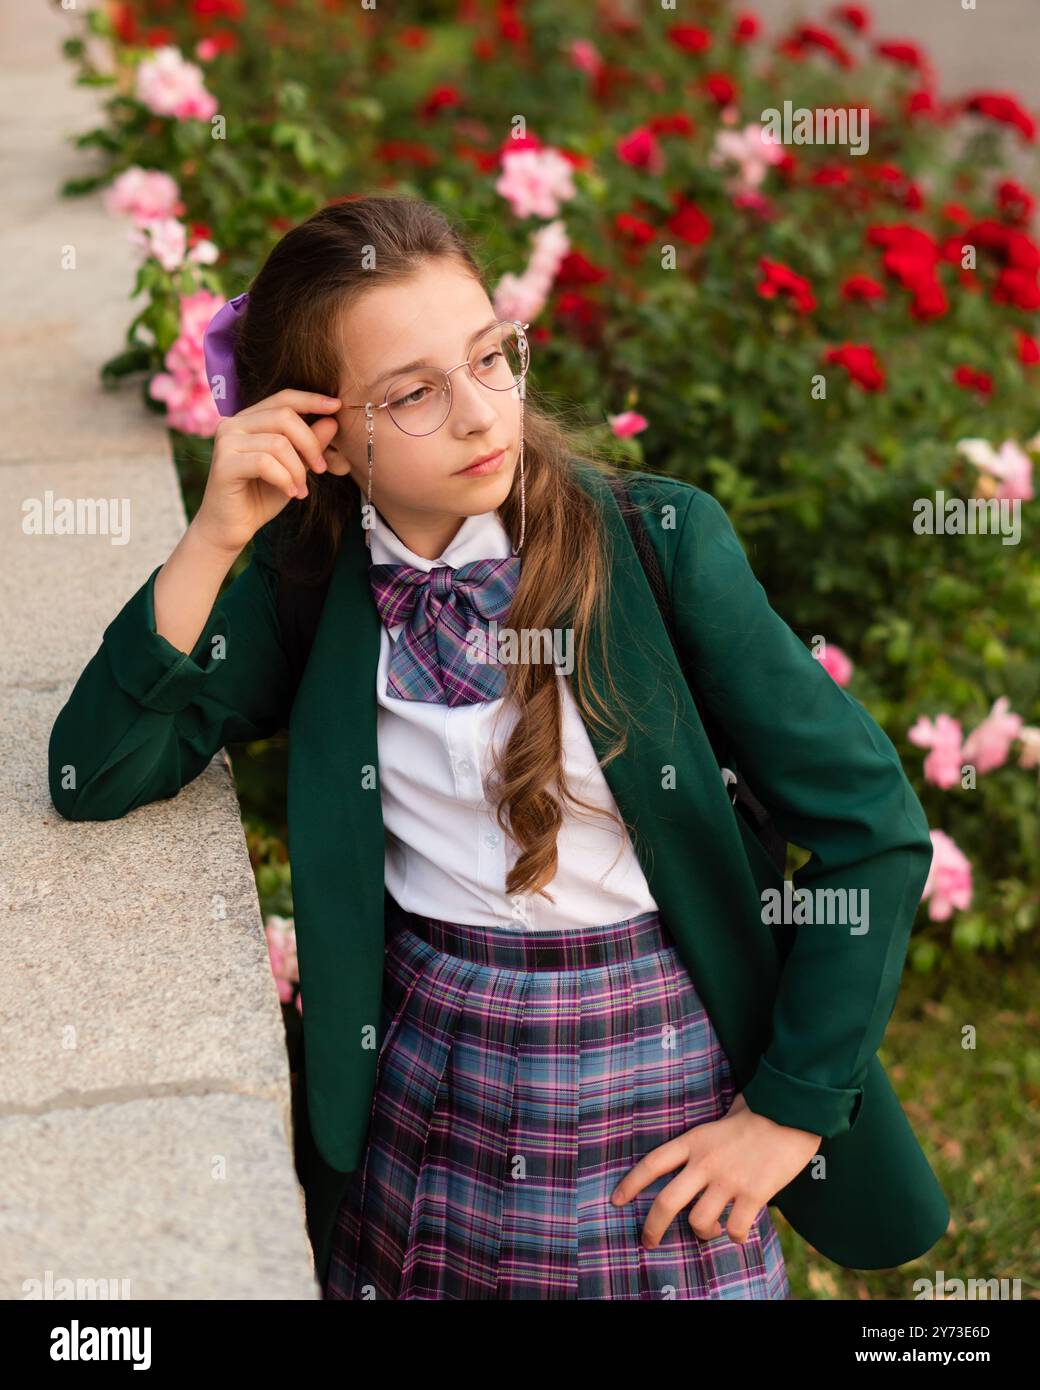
[831, 173]
[913, 198]
[911, 257]
[746, 27]
[861, 287]
[969, 379]
[1028, 349]
[125, 24]
[223, 40]
[677, 124]
[586, 316]
[855, 16]
[1015, 200]
[519, 142]
[689, 223]
[640, 149]
[813, 36]
[929, 300]
[576, 269]
[781, 279]
[438, 99]
[956, 212]
[405, 152]
[1018, 287]
[907, 54]
[1021, 252]
[510, 27]
[721, 88]
[921, 102]
[909, 250]
[229, 9]
[633, 229]
[689, 38]
[861, 362]
[1000, 106]
[484, 161]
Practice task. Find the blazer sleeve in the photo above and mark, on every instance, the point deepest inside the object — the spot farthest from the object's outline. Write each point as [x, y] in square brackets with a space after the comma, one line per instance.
[834, 785]
[144, 718]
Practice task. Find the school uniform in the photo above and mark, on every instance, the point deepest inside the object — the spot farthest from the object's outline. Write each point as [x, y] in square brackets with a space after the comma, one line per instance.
[791, 1015]
[531, 1050]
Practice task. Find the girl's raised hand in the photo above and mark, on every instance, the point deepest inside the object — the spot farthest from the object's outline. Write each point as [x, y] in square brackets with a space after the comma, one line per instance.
[261, 458]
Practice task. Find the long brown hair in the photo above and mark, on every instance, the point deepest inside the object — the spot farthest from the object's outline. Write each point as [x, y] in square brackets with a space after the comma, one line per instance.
[288, 338]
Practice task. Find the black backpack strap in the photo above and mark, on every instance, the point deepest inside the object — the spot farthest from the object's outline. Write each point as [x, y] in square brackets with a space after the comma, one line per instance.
[299, 605]
[652, 568]
[299, 612]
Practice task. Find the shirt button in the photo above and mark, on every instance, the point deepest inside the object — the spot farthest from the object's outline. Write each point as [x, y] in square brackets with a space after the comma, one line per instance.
[492, 838]
[465, 765]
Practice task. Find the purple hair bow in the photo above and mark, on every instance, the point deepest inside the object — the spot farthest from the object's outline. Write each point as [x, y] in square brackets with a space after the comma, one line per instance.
[218, 347]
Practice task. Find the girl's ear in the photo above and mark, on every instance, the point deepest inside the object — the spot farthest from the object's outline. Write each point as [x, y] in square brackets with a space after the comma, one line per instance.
[336, 461]
[326, 428]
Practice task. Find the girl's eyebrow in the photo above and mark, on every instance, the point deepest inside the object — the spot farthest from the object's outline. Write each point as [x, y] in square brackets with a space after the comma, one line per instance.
[411, 366]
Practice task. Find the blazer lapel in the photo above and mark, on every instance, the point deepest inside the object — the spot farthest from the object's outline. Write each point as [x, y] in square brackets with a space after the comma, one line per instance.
[684, 828]
[336, 844]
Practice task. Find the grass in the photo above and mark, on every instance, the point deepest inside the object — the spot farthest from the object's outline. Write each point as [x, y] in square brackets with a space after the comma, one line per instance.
[975, 1113]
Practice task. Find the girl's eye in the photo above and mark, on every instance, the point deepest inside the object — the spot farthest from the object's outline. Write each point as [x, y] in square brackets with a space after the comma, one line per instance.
[408, 400]
[488, 360]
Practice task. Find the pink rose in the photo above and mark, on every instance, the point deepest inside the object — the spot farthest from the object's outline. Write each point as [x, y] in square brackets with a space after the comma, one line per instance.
[987, 746]
[627, 423]
[523, 297]
[144, 194]
[190, 406]
[171, 86]
[836, 663]
[942, 767]
[535, 182]
[949, 878]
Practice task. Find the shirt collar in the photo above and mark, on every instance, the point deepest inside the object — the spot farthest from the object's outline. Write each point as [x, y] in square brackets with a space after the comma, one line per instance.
[481, 537]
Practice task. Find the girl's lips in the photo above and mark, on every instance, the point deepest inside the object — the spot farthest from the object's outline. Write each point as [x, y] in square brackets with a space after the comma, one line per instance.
[490, 466]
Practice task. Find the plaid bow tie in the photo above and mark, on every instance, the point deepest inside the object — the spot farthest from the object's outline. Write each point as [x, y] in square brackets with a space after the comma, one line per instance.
[440, 609]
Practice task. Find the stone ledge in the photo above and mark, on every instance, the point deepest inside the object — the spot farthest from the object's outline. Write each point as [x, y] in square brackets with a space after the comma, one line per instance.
[145, 1116]
[183, 1197]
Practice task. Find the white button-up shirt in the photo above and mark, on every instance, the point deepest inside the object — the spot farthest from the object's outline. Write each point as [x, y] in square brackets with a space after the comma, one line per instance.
[446, 855]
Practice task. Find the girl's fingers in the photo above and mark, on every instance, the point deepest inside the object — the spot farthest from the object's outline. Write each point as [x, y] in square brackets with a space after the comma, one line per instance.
[670, 1201]
[664, 1159]
[283, 451]
[275, 473]
[704, 1216]
[742, 1218]
[306, 402]
[284, 420]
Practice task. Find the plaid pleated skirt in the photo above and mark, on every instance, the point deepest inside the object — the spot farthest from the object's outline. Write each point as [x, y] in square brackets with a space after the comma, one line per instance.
[521, 1075]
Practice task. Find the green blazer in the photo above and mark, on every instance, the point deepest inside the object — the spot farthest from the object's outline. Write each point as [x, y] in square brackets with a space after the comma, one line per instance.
[800, 1009]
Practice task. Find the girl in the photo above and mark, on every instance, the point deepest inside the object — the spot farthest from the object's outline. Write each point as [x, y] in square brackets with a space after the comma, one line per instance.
[554, 1049]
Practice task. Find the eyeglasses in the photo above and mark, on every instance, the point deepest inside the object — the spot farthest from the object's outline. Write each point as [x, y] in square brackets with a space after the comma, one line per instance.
[419, 401]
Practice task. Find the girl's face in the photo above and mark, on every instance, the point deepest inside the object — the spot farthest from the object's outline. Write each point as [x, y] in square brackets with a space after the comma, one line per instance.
[418, 483]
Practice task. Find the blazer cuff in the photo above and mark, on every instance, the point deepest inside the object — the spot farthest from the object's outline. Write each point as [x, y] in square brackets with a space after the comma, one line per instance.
[150, 669]
[823, 1110]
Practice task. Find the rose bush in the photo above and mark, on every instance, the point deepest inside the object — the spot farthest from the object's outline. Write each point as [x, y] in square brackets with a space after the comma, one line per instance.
[821, 338]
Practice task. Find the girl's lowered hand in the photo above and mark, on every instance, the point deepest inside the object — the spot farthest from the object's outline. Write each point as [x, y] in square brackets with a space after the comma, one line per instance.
[260, 461]
[745, 1158]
